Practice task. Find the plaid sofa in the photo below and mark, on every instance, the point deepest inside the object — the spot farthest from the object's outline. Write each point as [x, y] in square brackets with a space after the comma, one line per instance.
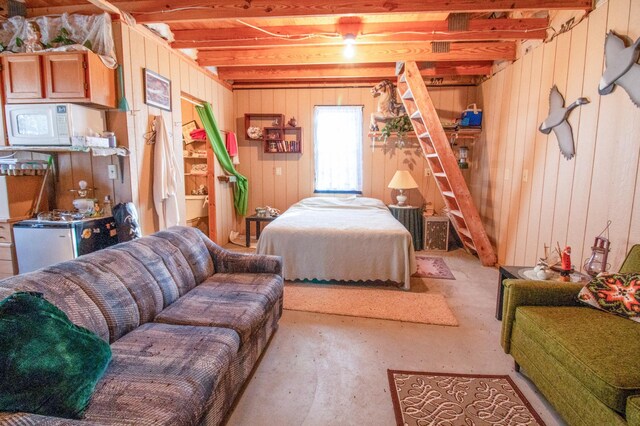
[186, 320]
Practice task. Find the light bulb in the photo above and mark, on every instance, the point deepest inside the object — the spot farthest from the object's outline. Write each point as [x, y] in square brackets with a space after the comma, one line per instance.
[349, 48]
[349, 51]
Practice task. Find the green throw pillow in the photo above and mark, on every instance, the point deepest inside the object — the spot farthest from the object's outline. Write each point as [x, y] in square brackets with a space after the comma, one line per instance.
[615, 293]
[48, 365]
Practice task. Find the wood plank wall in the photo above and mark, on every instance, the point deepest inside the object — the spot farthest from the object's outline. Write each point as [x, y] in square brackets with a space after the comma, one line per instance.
[136, 50]
[296, 181]
[527, 193]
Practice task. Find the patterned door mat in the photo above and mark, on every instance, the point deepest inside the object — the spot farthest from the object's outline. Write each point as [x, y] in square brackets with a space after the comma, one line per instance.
[433, 267]
[458, 399]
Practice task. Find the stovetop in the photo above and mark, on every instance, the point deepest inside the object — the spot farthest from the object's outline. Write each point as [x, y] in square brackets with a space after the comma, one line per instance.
[59, 218]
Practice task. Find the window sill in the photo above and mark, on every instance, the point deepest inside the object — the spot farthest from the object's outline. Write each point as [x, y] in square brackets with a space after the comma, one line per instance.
[337, 192]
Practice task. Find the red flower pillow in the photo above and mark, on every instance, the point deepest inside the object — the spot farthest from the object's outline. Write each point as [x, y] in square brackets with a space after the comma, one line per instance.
[616, 293]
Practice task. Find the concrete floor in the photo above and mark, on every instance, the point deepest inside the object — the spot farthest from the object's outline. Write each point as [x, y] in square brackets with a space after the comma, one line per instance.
[332, 370]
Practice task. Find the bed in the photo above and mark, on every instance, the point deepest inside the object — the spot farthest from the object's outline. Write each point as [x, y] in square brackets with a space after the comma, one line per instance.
[342, 239]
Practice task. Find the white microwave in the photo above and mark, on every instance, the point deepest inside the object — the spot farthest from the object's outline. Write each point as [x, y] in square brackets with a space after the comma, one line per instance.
[51, 124]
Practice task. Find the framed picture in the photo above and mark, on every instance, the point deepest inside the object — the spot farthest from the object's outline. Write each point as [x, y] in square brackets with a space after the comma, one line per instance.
[157, 90]
[187, 128]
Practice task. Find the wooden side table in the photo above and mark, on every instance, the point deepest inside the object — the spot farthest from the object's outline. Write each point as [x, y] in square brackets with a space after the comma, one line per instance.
[506, 272]
[258, 220]
[411, 218]
[513, 272]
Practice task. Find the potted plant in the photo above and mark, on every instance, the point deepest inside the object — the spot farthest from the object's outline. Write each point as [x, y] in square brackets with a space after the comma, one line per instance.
[401, 125]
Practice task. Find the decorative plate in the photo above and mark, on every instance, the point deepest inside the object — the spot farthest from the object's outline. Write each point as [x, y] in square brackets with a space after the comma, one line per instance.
[254, 132]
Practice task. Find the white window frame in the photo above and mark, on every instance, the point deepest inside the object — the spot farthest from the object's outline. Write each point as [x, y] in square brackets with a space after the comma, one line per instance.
[337, 165]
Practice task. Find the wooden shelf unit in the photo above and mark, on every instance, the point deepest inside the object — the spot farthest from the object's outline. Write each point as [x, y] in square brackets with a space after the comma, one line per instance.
[289, 143]
[263, 120]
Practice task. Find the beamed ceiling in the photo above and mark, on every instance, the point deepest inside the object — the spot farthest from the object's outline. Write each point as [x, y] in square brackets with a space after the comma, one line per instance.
[271, 43]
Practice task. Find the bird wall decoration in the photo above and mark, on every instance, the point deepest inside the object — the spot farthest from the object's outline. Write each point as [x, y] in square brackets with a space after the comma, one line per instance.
[622, 68]
[557, 121]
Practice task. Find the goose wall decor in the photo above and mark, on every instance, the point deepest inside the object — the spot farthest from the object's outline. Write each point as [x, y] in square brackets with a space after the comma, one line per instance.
[557, 121]
[622, 68]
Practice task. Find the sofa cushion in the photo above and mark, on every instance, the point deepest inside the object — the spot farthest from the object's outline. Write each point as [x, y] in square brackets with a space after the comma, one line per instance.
[162, 374]
[157, 266]
[190, 242]
[48, 365]
[65, 294]
[134, 275]
[616, 293]
[595, 346]
[235, 301]
[106, 290]
[633, 410]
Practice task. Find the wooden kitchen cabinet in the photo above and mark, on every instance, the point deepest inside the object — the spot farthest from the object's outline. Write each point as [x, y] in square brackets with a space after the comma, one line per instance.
[8, 260]
[65, 76]
[22, 75]
[76, 77]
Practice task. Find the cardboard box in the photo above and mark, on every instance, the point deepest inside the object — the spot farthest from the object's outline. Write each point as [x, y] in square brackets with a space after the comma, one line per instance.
[18, 196]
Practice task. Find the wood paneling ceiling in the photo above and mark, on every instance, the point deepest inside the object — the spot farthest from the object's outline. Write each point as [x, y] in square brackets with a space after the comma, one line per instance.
[279, 42]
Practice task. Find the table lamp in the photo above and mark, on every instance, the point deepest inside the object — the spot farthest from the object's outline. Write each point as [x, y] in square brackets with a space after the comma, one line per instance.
[402, 180]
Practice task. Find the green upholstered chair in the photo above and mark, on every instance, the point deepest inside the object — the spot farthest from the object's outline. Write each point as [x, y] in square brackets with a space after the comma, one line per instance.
[582, 359]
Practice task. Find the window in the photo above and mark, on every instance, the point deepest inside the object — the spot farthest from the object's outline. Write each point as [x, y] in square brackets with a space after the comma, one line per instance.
[338, 148]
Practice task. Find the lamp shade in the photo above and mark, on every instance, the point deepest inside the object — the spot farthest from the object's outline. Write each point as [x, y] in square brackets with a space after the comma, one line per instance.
[402, 180]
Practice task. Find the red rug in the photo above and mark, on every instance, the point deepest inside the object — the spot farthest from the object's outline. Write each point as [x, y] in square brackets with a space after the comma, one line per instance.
[433, 267]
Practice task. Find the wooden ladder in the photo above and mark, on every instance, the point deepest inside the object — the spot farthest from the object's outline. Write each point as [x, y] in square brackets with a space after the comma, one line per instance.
[444, 166]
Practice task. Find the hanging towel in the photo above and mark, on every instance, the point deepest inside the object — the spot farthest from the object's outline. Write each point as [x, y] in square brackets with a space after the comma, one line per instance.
[198, 134]
[232, 148]
[232, 144]
[165, 177]
[241, 188]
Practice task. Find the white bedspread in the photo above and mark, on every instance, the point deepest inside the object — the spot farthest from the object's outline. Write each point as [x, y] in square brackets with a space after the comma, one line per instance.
[350, 239]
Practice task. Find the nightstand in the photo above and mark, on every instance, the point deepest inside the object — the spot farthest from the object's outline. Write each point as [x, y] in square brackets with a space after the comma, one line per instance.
[258, 220]
[411, 218]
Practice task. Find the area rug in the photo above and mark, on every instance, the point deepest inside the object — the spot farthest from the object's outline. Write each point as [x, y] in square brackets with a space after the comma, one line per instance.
[394, 305]
[433, 267]
[458, 399]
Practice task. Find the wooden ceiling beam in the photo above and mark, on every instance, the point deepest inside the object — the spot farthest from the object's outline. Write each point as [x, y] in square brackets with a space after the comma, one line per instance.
[354, 72]
[194, 10]
[479, 30]
[363, 54]
[275, 84]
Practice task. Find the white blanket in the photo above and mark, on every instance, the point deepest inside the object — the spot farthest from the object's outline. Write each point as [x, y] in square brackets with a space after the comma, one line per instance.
[348, 239]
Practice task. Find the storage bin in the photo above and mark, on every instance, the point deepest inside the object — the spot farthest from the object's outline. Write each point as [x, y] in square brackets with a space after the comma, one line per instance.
[472, 116]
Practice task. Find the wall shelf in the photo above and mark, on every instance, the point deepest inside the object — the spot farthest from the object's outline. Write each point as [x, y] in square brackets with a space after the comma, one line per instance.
[227, 178]
[461, 133]
[262, 120]
[289, 143]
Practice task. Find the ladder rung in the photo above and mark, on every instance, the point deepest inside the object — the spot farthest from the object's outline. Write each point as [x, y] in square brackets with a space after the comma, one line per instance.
[407, 94]
[464, 232]
[457, 213]
[425, 135]
[440, 175]
[403, 77]
[416, 114]
[434, 155]
[470, 245]
[449, 194]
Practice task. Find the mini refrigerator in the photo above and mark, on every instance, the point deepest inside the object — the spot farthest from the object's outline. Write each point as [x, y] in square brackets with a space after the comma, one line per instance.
[41, 243]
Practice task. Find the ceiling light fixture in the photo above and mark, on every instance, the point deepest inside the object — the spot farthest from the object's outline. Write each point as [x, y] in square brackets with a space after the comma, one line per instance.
[349, 48]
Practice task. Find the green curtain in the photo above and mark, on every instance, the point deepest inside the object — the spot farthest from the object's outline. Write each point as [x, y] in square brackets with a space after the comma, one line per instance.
[241, 188]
